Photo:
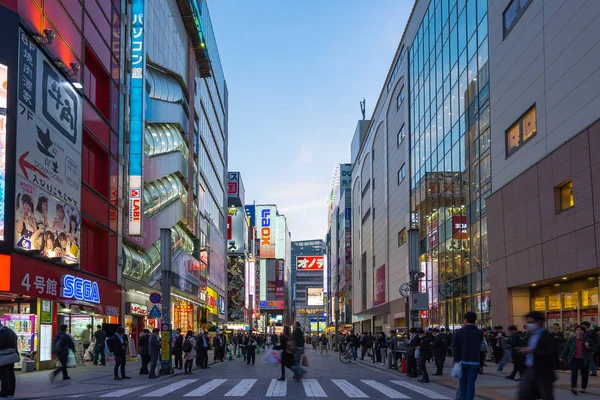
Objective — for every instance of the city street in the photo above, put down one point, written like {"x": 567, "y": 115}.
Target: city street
{"x": 327, "y": 377}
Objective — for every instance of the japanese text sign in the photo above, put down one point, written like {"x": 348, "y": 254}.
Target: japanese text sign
{"x": 313, "y": 263}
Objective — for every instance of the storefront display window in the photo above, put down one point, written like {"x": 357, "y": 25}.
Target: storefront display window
{"x": 24, "y": 325}
{"x": 570, "y": 300}
{"x": 589, "y": 298}
{"x": 570, "y": 321}
{"x": 539, "y": 304}
{"x": 183, "y": 315}
{"x": 554, "y": 302}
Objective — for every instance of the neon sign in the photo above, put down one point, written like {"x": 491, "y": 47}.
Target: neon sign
{"x": 80, "y": 289}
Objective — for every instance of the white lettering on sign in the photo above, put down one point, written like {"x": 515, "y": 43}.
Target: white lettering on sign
{"x": 41, "y": 284}
{"x": 138, "y": 309}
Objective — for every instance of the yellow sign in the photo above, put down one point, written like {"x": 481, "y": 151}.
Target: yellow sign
{"x": 165, "y": 337}
{"x": 232, "y": 211}
{"x": 211, "y": 300}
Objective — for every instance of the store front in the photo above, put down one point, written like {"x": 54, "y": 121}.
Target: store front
{"x": 568, "y": 303}
{"x": 40, "y": 297}
{"x": 183, "y": 314}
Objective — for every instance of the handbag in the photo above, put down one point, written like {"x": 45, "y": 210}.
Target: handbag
{"x": 457, "y": 370}
{"x": 9, "y": 356}
{"x": 71, "y": 362}
{"x": 304, "y": 360}
{"x": 273, "y": 358}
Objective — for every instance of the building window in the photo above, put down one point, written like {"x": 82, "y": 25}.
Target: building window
{"x": 401, "y": 173}
{"x": 373, "y": 212}
{"x": 564, "y": 196}
{"x": 373, "y": 183}
{"x": 402, "y": 237}
{"x": 366, "y": 216}
{"x": 401, "y": 135}
{"x": 521, "y": 131}
{"x": 512, "y": 13}
{"x": 366, "y": 188}
{"x": 400, "y": 98}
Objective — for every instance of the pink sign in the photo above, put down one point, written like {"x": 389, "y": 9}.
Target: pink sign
{"x": 379, "y": 294}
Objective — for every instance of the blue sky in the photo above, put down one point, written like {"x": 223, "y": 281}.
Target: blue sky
{"x": 296, "y": 71}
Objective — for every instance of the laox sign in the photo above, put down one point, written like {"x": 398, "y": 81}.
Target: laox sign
{"x": 80, "y": 289}
{"x": 266, "y": 227}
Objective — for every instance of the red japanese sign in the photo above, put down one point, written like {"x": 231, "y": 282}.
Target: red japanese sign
{"x": 459, "y": 227}
{"x": 307, "y": 263}
{"x": 379, "y": 294}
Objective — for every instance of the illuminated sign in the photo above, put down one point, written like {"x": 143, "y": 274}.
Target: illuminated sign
{"x": 313, "y": 263}
{"x": 271, "y": 305}
{"x": 267, "y": 248}
{"x": 3, "y": 121}
{"x": 233, "y": 184}
{"x": 137, "y": 309}
{"x": 459, "y": 227}
{"x": 314, "y": 296}
{"x": 379, "y": 290}
{"x": 80, "y": 289}
{"x": 136, "y": 117}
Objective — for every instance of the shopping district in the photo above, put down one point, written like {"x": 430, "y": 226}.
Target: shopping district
{"x": 135, "y": 245}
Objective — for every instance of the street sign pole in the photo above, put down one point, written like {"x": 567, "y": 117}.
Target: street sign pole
{"x": 166, "y": 367}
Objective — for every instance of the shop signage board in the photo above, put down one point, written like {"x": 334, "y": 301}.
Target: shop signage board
{"x": 80, "y": 289}
{"x": 279, "y": 280}
{"x": 165, "y": 341}
{"x": 155, "y": 312}
{"x": 272, "y": 305}
{"x": 380, "y": 286}
{"x": 155, "y": 298}
{"x": 137, "y": 309}
{"x": 48, "y": 153}
{"x": 233, "y": 184}
{"x": 310, "y": 263}
{"x": 45, "y": 312}
{"x": 267, "y": 240}
{"x": 3, "y": 126}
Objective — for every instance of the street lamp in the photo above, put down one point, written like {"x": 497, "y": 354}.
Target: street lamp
{"x": 406, "y": 289}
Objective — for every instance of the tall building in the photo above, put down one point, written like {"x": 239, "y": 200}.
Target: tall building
{"x": 308, "y": 257}
{"x": 176, "y": 163}
{"x": 62, "y": 80}
{"x": 543, "y": 230}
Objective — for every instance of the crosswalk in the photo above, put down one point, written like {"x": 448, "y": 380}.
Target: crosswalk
{"x": 310, "y": 388}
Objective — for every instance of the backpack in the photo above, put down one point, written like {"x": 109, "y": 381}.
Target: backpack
{"x": 483, "y": 346}
{"x": 186, "y": 347}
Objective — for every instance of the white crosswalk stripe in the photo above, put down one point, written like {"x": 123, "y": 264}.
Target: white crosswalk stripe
{"x": 241, "y": 388}
{"x": 312, "y": 388}
{"x": 349, "y": 389}
{"x": 206, "y": 388}
{"x": 421, "y": 390}
{"x": 170, "y": 388}
{"x": 277, "y": 388}
{"x": 125, "y": 392}
{"x": 388, "y": 391}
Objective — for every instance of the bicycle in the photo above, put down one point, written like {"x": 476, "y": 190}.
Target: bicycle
{"x": 347, "y": 355}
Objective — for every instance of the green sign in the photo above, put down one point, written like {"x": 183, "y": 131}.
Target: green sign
{"x": 46, "y": 312}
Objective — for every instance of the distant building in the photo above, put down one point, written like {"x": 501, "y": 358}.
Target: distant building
{"x": 309, "y": 263}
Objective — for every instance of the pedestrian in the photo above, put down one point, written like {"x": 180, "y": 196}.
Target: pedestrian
{"x": 251, "y": 349}
{"x": 234, "y": 341}
{"x": 383, "y": 347}
{"x": 154, "y": 352}
{"x": 353, "y": 341}
{"x": 591, "y": 333}
{"x": 324, "y": 342}
{"x": 515, "y": 341}
{"x": 501, "y": 355}
{"x": 189, "y": 348}
{"x": 298, "y": 335}
{"x": 425, "y": 354}
{"x": 288, "y": 348}
{"x": 223, "y": 348}
{"x": 439, "y": 347}
{"x": 8, "y": 341}
{"x": 466, "y": 344}
{"x": 203, "y": 344}
{"x": 217, "y": 349}
{"x": 578, "y": 353}
{"x": 86, "y": 338}
{"x": 559, "y": 337}
{"x": 177, "y": 351}
{"x": 144, "y": 351}
{"x": 117, "y": 344}
{"x": 540, "y": 352}
{"x": 100, "y": 346}
{"x": 62, "y": 344}
{"x": 411, "y": 354}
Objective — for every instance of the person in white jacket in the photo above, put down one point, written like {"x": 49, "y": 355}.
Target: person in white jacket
{"x": 189, "y": 351}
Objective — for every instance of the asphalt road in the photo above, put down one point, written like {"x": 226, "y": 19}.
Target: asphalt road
{"x": 327, "y": 378}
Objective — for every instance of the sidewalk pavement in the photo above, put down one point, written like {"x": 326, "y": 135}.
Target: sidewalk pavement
{"x": 493, "y": 385}
{"x": 86, "y": 379}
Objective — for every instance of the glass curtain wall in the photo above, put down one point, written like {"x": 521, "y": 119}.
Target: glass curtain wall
{"x": 450, "y": 158}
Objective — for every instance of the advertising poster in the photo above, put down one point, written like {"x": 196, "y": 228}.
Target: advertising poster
{"x": 279, "y": 280}
{"x": 237, "y": 242}
{"x": 310, "y": 263}
{"x": 3, "y": 121}
{"x": 379, "y": 290}
{"x": 233, "y": 184}
{"x": 314, "y": 296}
{"x": 48, "y": 191}
{"x": 236, "y": 292}
{"x": 186, "y": 273}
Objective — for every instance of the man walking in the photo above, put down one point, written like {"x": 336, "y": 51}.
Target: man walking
{"x": 177, "y": 349}
{"x": 154, "y": 352}
{"x": 118, "y": 345}
{"x": 217, "y": 348}
{"x": 86, "y": 338}
{"x": 298, "y": 337}
{"x": 559, "y": 338}
{"x": 591, "y": 333}
{"x": 62, "y": 344}
{"x": 251, "y": 349}
{"x": 144, "y": 351}
{"x": 465, "y": 350}
{"x": 515, "y": 341}
{"x": 539, "y": 356}
{"x": 439, "y": 351}
{"x": 8, "y": 340}
{"x": 203, "y": 345}
{"x": 100, "y": 346}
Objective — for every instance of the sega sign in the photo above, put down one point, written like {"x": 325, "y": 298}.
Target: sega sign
{"x": 80, "y": 289}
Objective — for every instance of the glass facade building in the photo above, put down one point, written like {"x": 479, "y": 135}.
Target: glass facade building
{"x": 450, "y": 158}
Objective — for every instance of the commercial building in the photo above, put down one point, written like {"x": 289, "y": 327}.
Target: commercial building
{"x": 339, "y": 248}
{"x": 308, "y": 257}
{"x": 542, "y": 222}
{"x": 177, "y": 163}
{"x": 61, "y": 172}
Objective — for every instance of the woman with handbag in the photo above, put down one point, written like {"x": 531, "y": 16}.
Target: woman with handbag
{"x": 288, "y": 349}
{"x": 189, "y": 350}
{"x": 8, "y": 357}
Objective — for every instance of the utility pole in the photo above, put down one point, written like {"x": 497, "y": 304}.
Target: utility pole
{"x": 165, "y": 328}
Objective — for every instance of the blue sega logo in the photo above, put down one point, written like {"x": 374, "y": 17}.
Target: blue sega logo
{"x": 80, "y": 289}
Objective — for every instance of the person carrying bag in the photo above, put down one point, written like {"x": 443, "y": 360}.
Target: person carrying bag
{"x": 8, "y": 357}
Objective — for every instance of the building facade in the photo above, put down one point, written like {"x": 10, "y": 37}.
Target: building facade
{"x": 177, "y": 162}
{"x": 308, "y": 257}
{"x": 61, "y": 173}
{"x": 380, "y": 215}
{"x": 543, "y": 229}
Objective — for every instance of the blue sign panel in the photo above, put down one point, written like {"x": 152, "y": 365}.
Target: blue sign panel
{"x": 155, "y": 312}
{"x": 250, "y": 211}
{"x": 80, "y": 289}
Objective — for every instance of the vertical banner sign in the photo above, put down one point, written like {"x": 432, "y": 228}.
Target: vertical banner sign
{"x": 267, "y": 247}
{"x": 379, "y": 292}
{"x": 48, "y": 181}
{"x": 279, "y": 280}
{"x": 136, "y": 118}
{"x": 3, "y": 121}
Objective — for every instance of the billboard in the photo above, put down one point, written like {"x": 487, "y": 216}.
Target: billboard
{"x": 48, "y": 170}
{"x": 314, "y": 296}
{"x": 279, "y": 280}
{"x": 236, "y": 230}
{"x": 233, "y": 184}
{"x": 310, "y": 263}
{"x": 136, "y": 118}
{"x": 236, "y": 293}
{"x": 459, "y": 227}
{"x": 186, "y": 273}
{"x": 3, "y": 122}
{"x": 266, "y": 233}
{"x": 379, "y": 289}
{"x": 271, "y": 305}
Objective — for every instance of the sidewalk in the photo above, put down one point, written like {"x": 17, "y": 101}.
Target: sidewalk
{"x": 494, "y": 385}
{"x": 87, "y": 379}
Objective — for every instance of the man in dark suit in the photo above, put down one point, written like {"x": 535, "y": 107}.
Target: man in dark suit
{"x": 178, "y": 349}
{"x": 8, "y": 340}
{"x": 154, "y": 352}
{"x": 440, "y": 347}
{"x": 144, "y": 351}
{"x": 118, "y": 345}
{"x": 539, "y": 357}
